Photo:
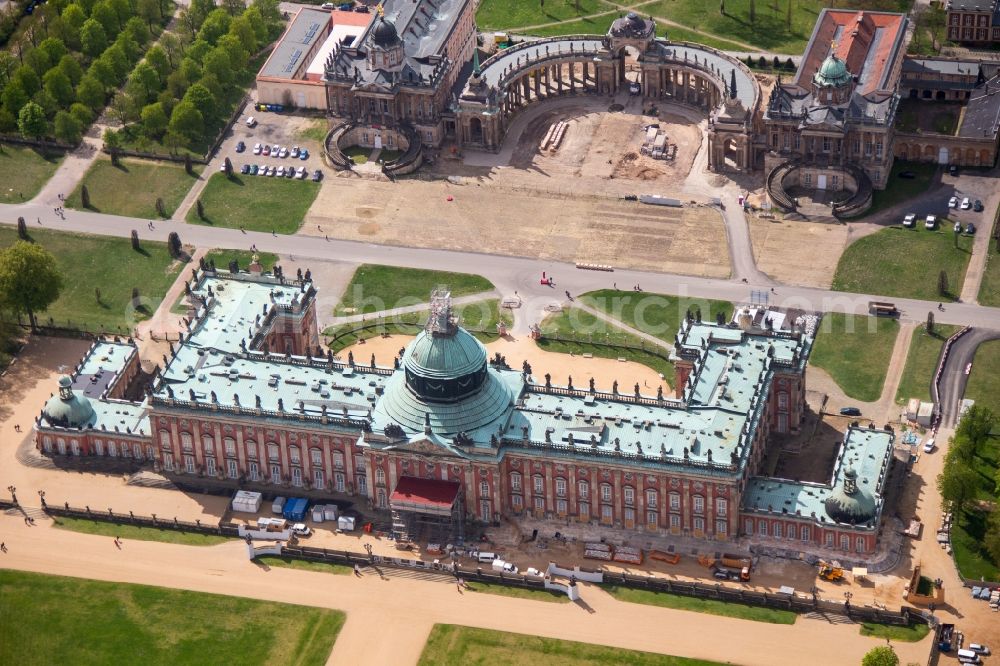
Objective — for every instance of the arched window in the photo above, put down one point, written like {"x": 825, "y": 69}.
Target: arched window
{"x": 484, "y": 489}
{"x": 251, "y": 448}
{"x": 628, "y": 495}
{"x": 229, "y": 444}
{"x": 187, "y": 443}
{"x": 165, "y": 439}
{"x": 651, "y": 497}
{"x": 317, "y": 456}
{"x": 539, "y": 483}
{"x": 272, "y": 451}
{"x": 675, "y": 501}
{"x": 338, "y": 460}
{"x": 293, "y": 455}
{"x": 515, "y": 482}
{"x": 379, "y": 476}
{"x": 605, "y": 492}
{"x": 208, "y": 445}
{"x": 583, "y": 489}
{"x": 560, "y": 487}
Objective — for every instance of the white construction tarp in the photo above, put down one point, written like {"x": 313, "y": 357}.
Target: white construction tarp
{"x": 346, "y": 523}
{"x": 246, "y": 501}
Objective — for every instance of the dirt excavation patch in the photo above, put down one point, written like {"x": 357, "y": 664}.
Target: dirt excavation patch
{"x": 778, "y": 245}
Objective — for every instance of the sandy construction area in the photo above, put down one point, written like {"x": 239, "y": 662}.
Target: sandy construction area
{"x": 797, "y": 252}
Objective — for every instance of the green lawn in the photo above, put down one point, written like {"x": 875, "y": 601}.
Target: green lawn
{"x": 132, "y": 188}
{"x": 586, "y": 329}
{"x": 10, "y": 339}
{"x": 316, "y": 130}
{"x": 59, "y": 620}
{"x": 244, "y": 257}
{"x": 967, "y": 534}
{"x": 512, "y": 14}
{"x": 905, "y": 263}
{"x": 374, "y": 288}
{"x": 454, "y": 645}
{"x": 909, "y": 634}
{"x": 481, "y": 316}
{"x": 984, "y": 381}
{"x": 902, "y": 189}
{"x": 137, "y": 532}
{"x": 586, "y": 26}
{"x": 358, "y": 154}
{"x": 552, "y": 596}
{"x": 23, "y": 172}
{"x": 675, "y": 34}
{"x": 989, "y": 288}
{"x": 109, "y": 264}
{"x": 255, "y": 203}
{"x": 710, "y": 606}
{"x": 855, "y": 350}
{"x": 304, "y": 565}
{"x": 921, "y": 362}
{"x": 656, "y": 314}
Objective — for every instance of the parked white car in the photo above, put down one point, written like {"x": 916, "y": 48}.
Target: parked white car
{"x": 929, "y": 445}
{"x": 953, "y": 202}
{"x": 251, "y": 122}
{"x": 930, "y": 222}
{"x": 257, "y": 148}
{"x": 910, "y": 221}
{"x": 966, "y": 204}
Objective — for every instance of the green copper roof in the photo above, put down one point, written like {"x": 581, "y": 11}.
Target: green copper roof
{"x": 69, "y": 409}
{"x": 832, "y": 73}
{"x": 444, "y": 356}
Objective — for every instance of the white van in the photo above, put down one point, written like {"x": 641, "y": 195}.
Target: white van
{"x": 977, "y": 648}
{"x": 486, "y": 558}
{"x": 967, "y": 657}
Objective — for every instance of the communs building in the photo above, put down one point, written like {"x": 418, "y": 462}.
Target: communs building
{"x": 247, "y": 399}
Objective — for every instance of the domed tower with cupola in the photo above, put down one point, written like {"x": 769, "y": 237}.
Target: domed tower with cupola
{"x": 832, "y": 83}
{"x": 385, "y": 47}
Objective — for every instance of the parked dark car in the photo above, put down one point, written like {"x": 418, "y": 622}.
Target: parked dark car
{"x": 977, "y": 206}
{"x": 254, "y": 169}
{"x": 953, "y": 170}
{"x": 317, "y": 176}
{"x": 908, "y": 175}
{"x": 850, "y": 411}
{"x": 362, "y": 9}
{"x": 240, "y": 147}
{"x": 245, "y": 169}
{"x": 970, "y": 228}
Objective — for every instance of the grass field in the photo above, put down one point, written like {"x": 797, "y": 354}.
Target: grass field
{"x": 23, "y": 172}
{"x": 482, "y": 316}
{"x": 255, "y": 203}
{"x": 855, "y": 350}
{"x": 137, "y": 533}
{"x": 903, "y": 189}
{"x": 656, "y": 314}
{"x": 551, "y": 596}
{"x": 132, "y": 188}
{"x": 586, "y": 329}
{"x": 105, "y": 263}
{"x": 454, "y": 645}
{"x": 597, "y": 25}
{"x": 921, "y": 362}
{"x": 316, "y": 131}
{"x": 75, "y": 621}
{"x": 304, "y": 565}
{"x": 989, "y": 288}
{"x": 374, "y": 288}
{"x": 905, "y": 263}
{"x": 244, "y": 257}
{"x": 509, "y": 14}
{"x": 910, "y": 634}
{"x": 710, "y": 606}
{"x": 984, "y": 381}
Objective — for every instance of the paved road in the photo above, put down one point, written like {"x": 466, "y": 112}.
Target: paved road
{"x": 954, "y": 378}
{"x": 508, "y": 273}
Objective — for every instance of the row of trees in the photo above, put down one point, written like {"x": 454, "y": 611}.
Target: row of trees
{"x": 960, "y": 482}
{"x": 45, "y": 89}
{"x": 185, "y": 87}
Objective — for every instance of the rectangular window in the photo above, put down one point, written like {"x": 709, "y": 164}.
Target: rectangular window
{"x": 721, "y": 527}
{"x": 878, "y": 149}
{"x": 606, "y": 493}
{"x": 860, "y": 545}
{"x": 651, "y": 498}
{"x": 748, "y": 526}
{"x": 253, "y": 470}
{"x": 845, "y": 542}
{"x": 629, "y": 495}
{"x": 539, "y": 483}
{"x": 540, "y": 504}
{"x": 338, "y": 482}
{"x": 318, "y": 481}
{"x": 562, "y": 507}
{"x": 275, "y": 473}
{"x": 777, "y": 530}
{"x": 868, "y": 148}
{"x": 791, "y": 531}
{"x": 516, "y": 502}
{"x": 210, "y": 466}
{"x": 675, "y": 502}
{"x": 230, "y": 446}
{"x": 515, "y": 482}
{"x": 699, "y": 504}
{"x": 807, "y": 179}
{"x": 675, "y": 521}
{"x": 698, "y": 524}
{"x": 652, "y": 520}
{"x": 231, "y": 469}
{"x": 188, "y": 464}
{"x": 362, "y": 484}
{"x": 721, "y": 507}
{"x": 584, "y": 510}
{"x": 606, "y": 513}
{"x": 560, "y": 487}
{"x": 317, "y": 457}
{"x": 297, "y": 476}
{"x": 583, "y": 490}
{"x": 797, "y": 141}
{"x": 168, "y": 461}
{"x": 826, "y": 144}
{"x": 629, "y": 516}
{"x": 828, "y": 540}
{"x": 762, "y": 528}
{"x": 804, "y": 533}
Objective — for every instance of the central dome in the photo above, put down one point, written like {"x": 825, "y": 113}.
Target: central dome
{"x": 445, "y": 356}
{"x": 384, "y": 34}
{"x": 832, "y": 73}
{"x": 68, "y": 409}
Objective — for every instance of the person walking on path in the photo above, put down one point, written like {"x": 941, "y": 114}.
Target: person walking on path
{"x": 3, "y": 547}
{"x": 357, "y": 571}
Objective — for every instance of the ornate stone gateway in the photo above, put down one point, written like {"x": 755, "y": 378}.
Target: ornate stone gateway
{"x": 679, "y": 72}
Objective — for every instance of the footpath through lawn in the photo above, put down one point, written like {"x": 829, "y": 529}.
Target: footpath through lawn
{"x": 132, "y": 188}
{"x": 23, "y": 172}
{"x": 921, "y": 362}
{"x": 59, "y": 620}
{"x": 856, "y": 351}
{"x": 255, "y": 203}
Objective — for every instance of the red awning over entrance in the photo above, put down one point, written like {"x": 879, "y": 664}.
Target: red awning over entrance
{"x": 427, "y": 495}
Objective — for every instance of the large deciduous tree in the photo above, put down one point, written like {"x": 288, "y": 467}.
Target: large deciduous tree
{"x": 31, "y": 121}
{"x": 30, "y": 280}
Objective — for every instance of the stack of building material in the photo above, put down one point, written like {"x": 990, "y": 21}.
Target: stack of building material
{"x": 598, "y": 551}
{"x": 628, "y": 555}
{"x": 669, "y": 558}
